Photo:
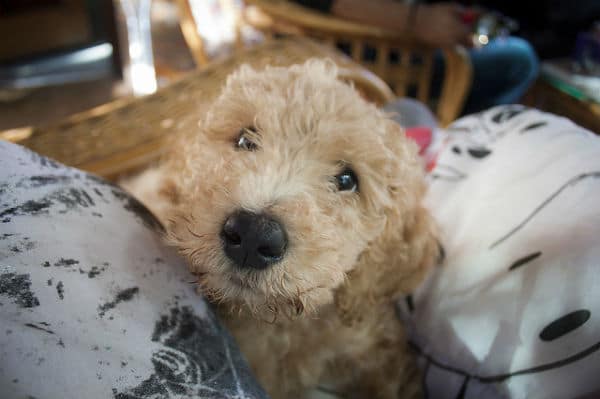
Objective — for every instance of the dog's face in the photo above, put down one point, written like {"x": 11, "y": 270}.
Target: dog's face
{"x": 291, "y": 180}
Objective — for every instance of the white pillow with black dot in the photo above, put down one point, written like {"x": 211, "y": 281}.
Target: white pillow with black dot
{"x": 513, "y": 311}
{"x": 92, "y": 305}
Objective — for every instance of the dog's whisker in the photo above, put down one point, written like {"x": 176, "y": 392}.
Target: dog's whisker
{"x": 275, "y": 312}
{"x": 299, "y": 304}
{"x": 194, "y": 233}
{"x": 185, "y": 219}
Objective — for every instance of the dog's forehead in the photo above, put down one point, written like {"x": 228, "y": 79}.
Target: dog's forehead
{"x": 306, "y": 110}
{"x": 305, "y": 94}
{"x": 335, "y": 114}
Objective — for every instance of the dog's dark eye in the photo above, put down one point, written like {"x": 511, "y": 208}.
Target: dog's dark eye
{"x": 243, "y": 141}
{"x": 347, "y": 180}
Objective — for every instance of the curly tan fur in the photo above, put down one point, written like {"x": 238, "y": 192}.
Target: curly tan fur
{"x": 325, "y": 313}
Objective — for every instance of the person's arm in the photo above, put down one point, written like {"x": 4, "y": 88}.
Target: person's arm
{"x": 387, "y": 14}
{"x": 438, "y": 25}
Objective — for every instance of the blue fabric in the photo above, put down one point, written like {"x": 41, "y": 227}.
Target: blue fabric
{"x": 502, "y": 72}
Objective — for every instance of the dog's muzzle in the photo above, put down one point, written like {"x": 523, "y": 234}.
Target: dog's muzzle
{"x": 253, "y": 240}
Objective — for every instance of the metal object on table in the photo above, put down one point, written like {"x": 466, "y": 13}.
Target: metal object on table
{"x": 139, "y": 64}
{"x": 85, "y": 63}
{"x": 487, "y": 25}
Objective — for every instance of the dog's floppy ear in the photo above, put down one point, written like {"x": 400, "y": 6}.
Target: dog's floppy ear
{"x": 396, "y": 261}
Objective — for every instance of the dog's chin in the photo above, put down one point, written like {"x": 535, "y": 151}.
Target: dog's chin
{"x": 240, "y": 283}
{"x": 242, "y": 293}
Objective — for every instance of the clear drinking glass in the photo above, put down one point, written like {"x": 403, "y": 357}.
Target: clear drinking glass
{"x": 140, "y": 70}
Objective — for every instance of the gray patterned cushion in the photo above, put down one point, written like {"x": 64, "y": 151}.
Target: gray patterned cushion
{"x": 92, "y": 304}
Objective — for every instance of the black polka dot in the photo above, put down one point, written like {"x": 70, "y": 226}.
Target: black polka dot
{"x": 506, "y": 114}
{"x": 456, "y": 150}
{"x": 524, "y": 260}
{"x": 565, "y": 324}
{"x": 479, "y": 152}
{"x": 533, "y": 126}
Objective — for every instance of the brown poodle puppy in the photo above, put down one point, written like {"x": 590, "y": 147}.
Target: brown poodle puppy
{"x": 298, "y": 205}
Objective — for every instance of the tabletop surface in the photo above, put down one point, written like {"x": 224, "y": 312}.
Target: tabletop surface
{"x": 559, "y": 73}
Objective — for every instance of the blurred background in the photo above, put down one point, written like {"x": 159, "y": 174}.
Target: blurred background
{"x": 61, "y": 57}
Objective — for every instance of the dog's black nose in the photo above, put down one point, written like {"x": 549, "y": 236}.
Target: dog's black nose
{"x": 253, "y": 240}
